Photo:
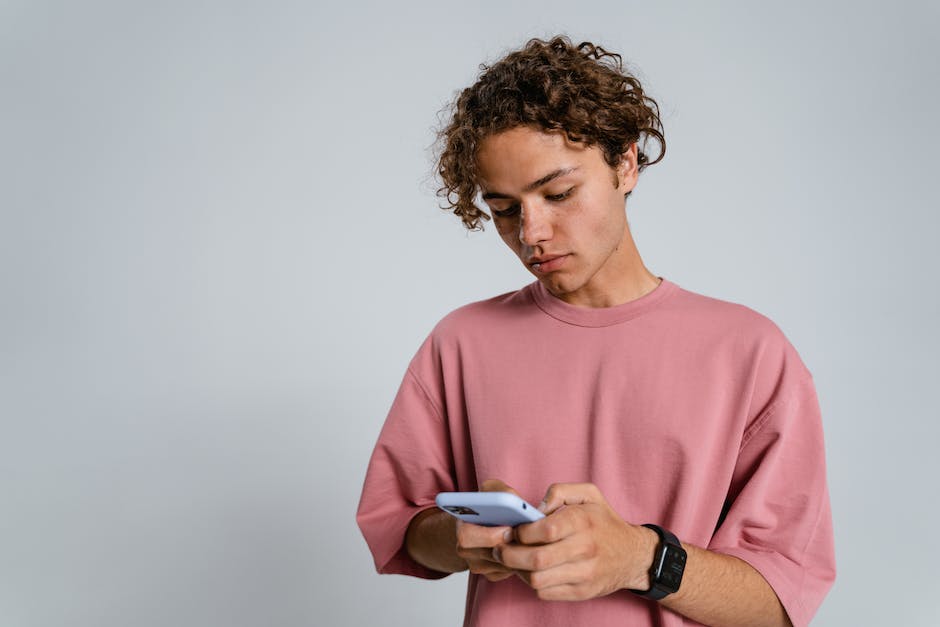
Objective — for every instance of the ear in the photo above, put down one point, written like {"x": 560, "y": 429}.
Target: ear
{"x": 628, "y": 170}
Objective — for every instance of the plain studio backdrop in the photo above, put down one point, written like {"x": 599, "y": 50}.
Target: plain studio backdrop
{"x": 220, "y": 247}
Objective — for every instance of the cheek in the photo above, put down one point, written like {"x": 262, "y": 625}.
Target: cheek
{"x": 598, "y": 220}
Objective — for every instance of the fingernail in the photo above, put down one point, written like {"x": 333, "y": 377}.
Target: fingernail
{"x": 542, "y": 506}
{"x": 507, "y": 536}
{"x": 496, "y": 553}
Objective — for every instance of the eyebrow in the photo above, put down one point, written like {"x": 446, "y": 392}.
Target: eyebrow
{"x": 551, "y": 176}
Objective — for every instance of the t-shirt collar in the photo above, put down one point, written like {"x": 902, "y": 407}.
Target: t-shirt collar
{"x": 599, "y": 316}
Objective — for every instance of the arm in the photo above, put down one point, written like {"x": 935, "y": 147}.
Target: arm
{"x": 410, "y": 463}
{"x": 583, "y": 549}
{"x": 723, "y": 590}
{"x": 438, "y": 541}
{"x": 431, "y": 541}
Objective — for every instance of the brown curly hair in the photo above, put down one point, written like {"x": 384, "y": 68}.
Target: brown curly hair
{"x": 552, "y": 85}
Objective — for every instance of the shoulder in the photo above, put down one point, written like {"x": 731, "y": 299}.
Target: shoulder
{"x": 478, "y": 316}
{"x": 724, "y": 313}
{"x": 756, "y": 338}
{"x": 470, "y": 325}
{"x": 761, "y": 357}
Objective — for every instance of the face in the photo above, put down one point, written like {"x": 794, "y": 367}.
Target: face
{"x": 559, "y": 202}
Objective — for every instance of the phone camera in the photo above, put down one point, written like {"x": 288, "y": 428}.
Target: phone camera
{"x": 459, "y": 509}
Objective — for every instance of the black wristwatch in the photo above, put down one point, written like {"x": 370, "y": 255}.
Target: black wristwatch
{"x": 668, "y": 566}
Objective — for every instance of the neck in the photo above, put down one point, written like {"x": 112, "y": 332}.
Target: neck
{"x": 629, "y": 287}
{"x": 623, "y": 280}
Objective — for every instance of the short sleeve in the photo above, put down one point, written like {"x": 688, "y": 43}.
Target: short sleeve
{"x": 777, "y": 517}
{"x": 411, "y": 463}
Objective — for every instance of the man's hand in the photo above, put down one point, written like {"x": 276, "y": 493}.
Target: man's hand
{"x": 476, "y": 543}
{"x": 582, "y": 549}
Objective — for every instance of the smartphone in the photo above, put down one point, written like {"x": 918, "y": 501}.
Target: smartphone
{"x": 490, "y": 509}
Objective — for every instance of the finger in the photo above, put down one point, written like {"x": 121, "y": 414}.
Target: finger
{"x": 570, "y": 581}
{"x": 563, "y": 575}
{"x": 493, "y": 572}
{"x": 566, "y": 592}
{"x": 470, "y": 536}
{"x": 553, "y": 528}
{"x": 560, "y": 494}
{"x": 481, "y": 560}
{"x": 496, "y": 485}
{"x": 540, "y": 558}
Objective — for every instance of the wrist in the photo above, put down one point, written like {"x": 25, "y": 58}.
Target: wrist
{"x": 644, "y": 551}
{"x": 431, "y": 540}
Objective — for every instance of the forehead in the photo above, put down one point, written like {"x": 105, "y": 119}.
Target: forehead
{"x": 513, "y": 158}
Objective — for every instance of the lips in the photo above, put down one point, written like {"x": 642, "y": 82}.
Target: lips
{"x": 542, "y": 265}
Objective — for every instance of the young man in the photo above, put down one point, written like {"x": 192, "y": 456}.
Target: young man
{"x": 641, "y": 415}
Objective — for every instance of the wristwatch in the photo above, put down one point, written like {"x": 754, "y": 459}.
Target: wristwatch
{"x": 668, "y": 566}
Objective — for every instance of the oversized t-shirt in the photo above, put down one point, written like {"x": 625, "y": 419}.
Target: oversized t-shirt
{"x": 687, "y": 411}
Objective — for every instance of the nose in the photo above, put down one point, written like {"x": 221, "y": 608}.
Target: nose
{"x": 534, "y": 224}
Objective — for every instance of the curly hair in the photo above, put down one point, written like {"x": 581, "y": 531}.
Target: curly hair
{"x": 554, "y": 86}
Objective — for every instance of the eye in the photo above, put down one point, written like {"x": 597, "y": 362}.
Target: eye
{"x": 507, "y": 213}
{"x": 561, "y": 196}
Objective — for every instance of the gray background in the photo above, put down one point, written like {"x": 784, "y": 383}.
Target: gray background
{"x": 220, "y": 247}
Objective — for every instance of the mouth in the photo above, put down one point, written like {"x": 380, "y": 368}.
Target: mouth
{"x": 548, "y": 265}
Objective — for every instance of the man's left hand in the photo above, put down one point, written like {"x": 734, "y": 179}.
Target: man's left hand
{"x": 582, "y": 549}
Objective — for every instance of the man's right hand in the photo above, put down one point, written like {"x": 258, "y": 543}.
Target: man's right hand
{"x": 475, "y": 543}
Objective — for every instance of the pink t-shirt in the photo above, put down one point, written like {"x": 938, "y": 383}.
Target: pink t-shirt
{"x": 686, "y": 411}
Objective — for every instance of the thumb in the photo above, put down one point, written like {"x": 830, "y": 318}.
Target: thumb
{"x": 561, "y": 494}
{"x": 496, "y": 485}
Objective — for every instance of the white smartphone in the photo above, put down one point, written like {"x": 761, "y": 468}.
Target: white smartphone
{"x": 490, "y": 509}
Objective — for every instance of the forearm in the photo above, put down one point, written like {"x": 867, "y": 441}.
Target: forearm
{"x": 722, "y": 590}
{"x": 431, "y": 540}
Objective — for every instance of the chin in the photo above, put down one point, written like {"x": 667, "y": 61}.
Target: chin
{"x": 558, "y": 285}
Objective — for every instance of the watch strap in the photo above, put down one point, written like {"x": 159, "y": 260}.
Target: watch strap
{"x": 667, "y": 540}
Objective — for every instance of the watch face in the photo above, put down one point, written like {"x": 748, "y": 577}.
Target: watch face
{"x": 671, "y": 568}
